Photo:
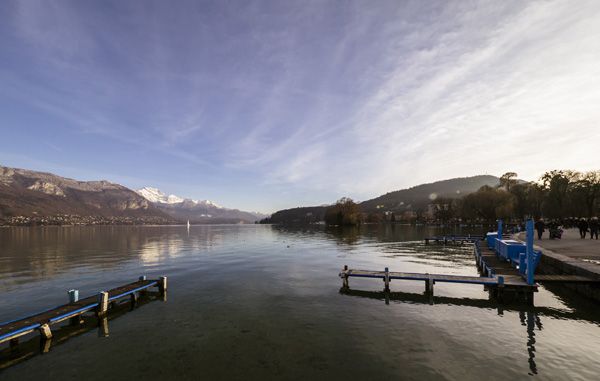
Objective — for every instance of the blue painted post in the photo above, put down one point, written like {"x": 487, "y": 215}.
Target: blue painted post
{"x": 529, "y": 251}
{"x": 500, "y": 230}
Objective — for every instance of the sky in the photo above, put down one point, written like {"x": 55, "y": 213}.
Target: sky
{"x": 269, "y": 105}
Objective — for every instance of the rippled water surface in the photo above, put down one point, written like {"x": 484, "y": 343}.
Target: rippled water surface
{"x": 264, "y": 302}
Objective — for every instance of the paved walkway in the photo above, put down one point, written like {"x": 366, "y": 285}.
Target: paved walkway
{"x": 587, "y": 250}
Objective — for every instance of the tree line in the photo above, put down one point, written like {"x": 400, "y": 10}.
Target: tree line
{"x": 557, "y": 195}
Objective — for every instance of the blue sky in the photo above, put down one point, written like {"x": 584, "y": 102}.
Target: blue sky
{"x": 267, "y": 105}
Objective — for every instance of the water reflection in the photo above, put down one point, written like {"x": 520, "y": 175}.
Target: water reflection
{"x": 530, "y": 316}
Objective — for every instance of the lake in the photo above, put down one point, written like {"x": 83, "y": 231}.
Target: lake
{"x": 265, "y": 302}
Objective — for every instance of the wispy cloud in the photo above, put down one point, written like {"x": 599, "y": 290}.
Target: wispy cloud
{"x": 319, "y": 98}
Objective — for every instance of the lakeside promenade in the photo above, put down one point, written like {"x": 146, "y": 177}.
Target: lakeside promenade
{"x": 586, "y": 250}
{"x": 570, "y": 255}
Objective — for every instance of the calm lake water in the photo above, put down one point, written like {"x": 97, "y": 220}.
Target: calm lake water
{"x": 264, "y": 302}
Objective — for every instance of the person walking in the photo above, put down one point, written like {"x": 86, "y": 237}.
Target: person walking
{"x": 583, "y": 227}
{"x": 540, "y": 226}
{"x": 594, "y": 226}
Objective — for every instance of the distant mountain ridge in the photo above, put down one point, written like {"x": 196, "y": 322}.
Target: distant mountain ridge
{"x": 44, "y": 198}
{"x": 29, "y": 193}
{"x": 397, "y": 202}
{"x": 202, "y": 211}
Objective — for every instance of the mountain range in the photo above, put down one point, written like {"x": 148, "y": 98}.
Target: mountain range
{"x": 202, "y": 211}
{"x": 27, "y": 195}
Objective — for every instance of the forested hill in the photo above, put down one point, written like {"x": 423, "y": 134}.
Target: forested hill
{"x": 400, "y": 201}
{"x": 419, "y": 197}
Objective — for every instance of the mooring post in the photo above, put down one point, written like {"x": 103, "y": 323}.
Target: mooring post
{"x": 102, "y": 303}
{"x": 162, "y": 284}
{"x": 429, "y": 285}
{"x": 45, "y": 332}
{"x": 73, "y": 296}
{"x": 143, "y": 277}
{"x": 386, "y": 279}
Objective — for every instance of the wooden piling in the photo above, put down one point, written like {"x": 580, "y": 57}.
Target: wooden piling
{"x": 162, "y": 284}
{"x": 345, "y": 283}
{"x": 102, "y": 303}
{"x": 386, "y": 279}
{"x": 429, "y": 285}
{"x": 45, "y": 332}
{"x": 134, "y": 299}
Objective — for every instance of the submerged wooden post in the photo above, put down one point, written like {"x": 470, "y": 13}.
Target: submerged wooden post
{"x": 134, "y": 299}
{"x": 345, "y": 284}
{"x": 386, "y": 279}
{"x": 102, "y": 303}
{"x": 162, "y": 284}
{"x": 45, "y": 331}
{"x": 529, "y": 296}
{"x": 76, "y": 320}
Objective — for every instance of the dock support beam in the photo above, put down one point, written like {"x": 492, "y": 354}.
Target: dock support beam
{"x": 345, "y": 283}
{"x": 162, "y": 284}
{"x": 134, "y": 299}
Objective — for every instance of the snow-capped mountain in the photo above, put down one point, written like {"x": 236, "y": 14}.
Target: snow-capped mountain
{"x": 158, "y": 196}
{"x": 202, "y": 211}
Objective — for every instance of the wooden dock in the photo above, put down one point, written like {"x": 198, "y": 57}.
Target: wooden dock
{"x": 501, "y": 277}
{"x": 455, "y": 238}
{"x": 98, "y": 303}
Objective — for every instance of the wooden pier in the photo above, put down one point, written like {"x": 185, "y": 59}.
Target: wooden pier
{"x": 503, "y": 271}
{"x": 74, "y": 310}
{"x": 455, "y": 238}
